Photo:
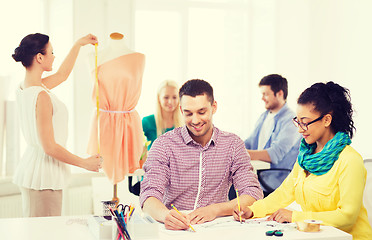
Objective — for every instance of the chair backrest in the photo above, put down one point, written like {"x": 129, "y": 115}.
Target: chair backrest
{"x": 367, "y": 197}
{"x": 271, "y": 179}
{"x": 136, "y": 188}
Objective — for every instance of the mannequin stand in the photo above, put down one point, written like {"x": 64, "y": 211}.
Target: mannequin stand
{"x": 115, "y": 198}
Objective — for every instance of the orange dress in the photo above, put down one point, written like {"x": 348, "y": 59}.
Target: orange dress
{"x": 121, "y": 134}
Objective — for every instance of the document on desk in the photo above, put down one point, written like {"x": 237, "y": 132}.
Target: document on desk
{"x": 230, "y": 222}
{"x": 217, "y": 223}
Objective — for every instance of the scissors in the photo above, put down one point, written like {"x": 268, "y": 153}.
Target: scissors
{"x": 123, "y": 210}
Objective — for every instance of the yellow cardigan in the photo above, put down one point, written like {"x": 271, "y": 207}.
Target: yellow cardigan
{"x": 336, "y": 197}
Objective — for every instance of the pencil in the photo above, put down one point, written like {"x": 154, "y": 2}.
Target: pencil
{"x": 130, "y": 211}
{"x": 181, "y": 215}
{"x": 237, "y": 197}
{"x": 118, "y": 224}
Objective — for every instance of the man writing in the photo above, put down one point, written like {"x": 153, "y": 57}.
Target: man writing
{"x": 193, "y": 166}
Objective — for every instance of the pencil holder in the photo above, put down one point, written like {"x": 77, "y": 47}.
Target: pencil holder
{"x": 139, "y": 227}
{"x": 121, "y": 231}
{"x": 105, "y": 207}
{"x": 142, "y": 226}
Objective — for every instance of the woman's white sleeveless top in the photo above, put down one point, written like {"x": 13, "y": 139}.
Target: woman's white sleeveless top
{"x": 36, "y": 170}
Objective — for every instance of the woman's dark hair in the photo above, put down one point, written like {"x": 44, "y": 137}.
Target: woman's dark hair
{"x": 333, "y": 99}
{"x": 30, "y": 45}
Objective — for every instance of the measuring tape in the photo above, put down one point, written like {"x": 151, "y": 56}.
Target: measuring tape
{"x": 97, "y": 100}
{"x": 309, "y": 225}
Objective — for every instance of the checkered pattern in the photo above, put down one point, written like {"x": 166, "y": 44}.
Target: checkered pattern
{"x": 172, "y": 170}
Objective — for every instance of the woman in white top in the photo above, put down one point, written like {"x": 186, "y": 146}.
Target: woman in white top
{"x": 42, "y": 171}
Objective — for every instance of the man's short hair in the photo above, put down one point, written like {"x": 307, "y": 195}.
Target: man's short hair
{"x": 276, "y": 82}
{"x": 197, "y": 87}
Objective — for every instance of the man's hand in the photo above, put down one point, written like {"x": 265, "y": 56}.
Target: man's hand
{"x": 204, "y": 214}
{"x": 245, "y": 213}
{"x": 175, "y": 221}
{"x": 281, "y": 216}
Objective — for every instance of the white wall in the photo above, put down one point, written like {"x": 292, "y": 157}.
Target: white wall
{"x": 341, "y": 51}
{"x": 329, "y": 40}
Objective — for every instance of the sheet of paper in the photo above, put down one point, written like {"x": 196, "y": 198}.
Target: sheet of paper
{"x": 229, "y": 222}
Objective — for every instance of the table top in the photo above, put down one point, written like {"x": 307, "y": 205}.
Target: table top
{"x": 75, "y": 227}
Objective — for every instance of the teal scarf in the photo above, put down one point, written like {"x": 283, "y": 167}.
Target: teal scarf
{"x": 321, "y": 162}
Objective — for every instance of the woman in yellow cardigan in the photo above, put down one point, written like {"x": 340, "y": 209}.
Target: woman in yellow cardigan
{"x": 328, "y": 178}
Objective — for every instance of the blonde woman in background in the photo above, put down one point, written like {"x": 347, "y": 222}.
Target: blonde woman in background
{"x": 166, "y": 118}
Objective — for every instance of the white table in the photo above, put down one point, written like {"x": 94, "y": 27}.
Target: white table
{"x": 71, "y": 228}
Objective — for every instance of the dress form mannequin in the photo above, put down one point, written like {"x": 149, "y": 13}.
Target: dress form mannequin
{"x": 120, "y": 72}
{"x": 116, "y": 48}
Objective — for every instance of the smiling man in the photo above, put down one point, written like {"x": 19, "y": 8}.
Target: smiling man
{"x": 274, "y": 139}
{"x": 193, "y": 166}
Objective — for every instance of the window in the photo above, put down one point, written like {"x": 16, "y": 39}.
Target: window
{"x": 24, "y": 20}
{"x": 197, "y": 39}
{"x": 53, "y": 18}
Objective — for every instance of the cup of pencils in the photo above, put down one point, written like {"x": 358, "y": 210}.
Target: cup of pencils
{"x": 120, "y": 229}
{"x": 121, "y": 216}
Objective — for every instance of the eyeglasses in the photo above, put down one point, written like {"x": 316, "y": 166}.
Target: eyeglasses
{"x": 304, "y": 126}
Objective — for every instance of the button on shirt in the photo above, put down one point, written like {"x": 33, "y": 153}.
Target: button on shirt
{"x": 180, "y": 171}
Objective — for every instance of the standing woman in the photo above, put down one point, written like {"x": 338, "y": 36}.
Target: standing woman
{"x": 329, "y": 176}
{"x": 168, "y": 114}
{"x": 42, "y": 172}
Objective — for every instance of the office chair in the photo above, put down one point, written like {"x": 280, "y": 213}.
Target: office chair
{"x": 367, "y": 196}
{"x": 136, "y": 188}
{"x": 270, "y": 179}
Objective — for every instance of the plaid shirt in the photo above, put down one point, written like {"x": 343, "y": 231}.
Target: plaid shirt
{"x": 179, "y": 170}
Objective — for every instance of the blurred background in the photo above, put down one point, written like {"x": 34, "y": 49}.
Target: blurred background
{"x": 230, "y": 43}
